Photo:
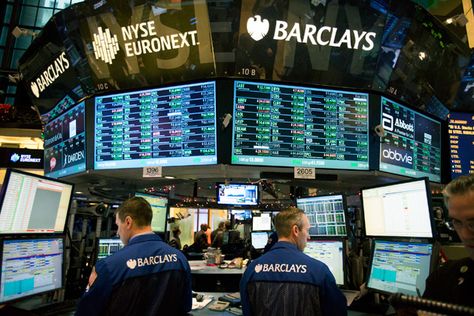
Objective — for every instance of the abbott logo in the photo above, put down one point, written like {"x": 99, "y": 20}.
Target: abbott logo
{"x": 395, "y": 155}
{"x": 105, "y": 45}
{"x": 387, "y": 122}
{"x": 257, "y": 28}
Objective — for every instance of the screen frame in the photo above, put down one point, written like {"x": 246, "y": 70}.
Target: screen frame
{"x": 244, "y": 206}
{"x": 6, "y": 181}
{"x": 259, "y": 232}
{"x": 262, "y": 212}
{"x": 37, "y": 237}
{"x": 433, "y": 259}
{"x": 430, "y": 209}
{"x": 167, "y": 209}
{"x": 344, "y": 256}
{"x": 344, "y": 202}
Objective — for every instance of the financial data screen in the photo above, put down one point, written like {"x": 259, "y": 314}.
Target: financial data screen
{"x": 461, "y": 143}
{"x": 412, "y": 145}
{"x": 173, "y": 126}
{"x": 30, "y": 266}
{"x": 397, "y": 210}
{"x": 326, "y": 215}
{"x": 159, "y": 207}
{"x": 34, "y": 204}
{"x": 65, "y": 143}
{"x": 400, "y": 267}
{"x": 331, "y": 253}
{"x": 108, "y": 246}
{"x": 280, "y": 125}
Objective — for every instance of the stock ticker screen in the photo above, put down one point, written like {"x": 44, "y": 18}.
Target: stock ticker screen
{"x": 461, "y": 142}
{"x": 412, "y": 144}
{"x": 64, "y": 143}
{"x": 292, "y": 126}
{"x": 173, "y": 126}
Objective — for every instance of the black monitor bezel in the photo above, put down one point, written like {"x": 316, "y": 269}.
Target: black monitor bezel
{"x": 433, "y": 259}
{"x": 36, "y": 237}
{"x": 2, "y": 200}
{"x": 430, "y": 209}
{"x": 344, "y": 202}
{"x": 245, "y": 206}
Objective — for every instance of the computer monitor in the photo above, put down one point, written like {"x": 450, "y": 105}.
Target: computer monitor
{"x": 159, "y": 206}
{"x": 398, "y": 210}
{"x": 108, "y": 246}
{"x": 33, "y": 204}
{"x": 400, "y": 267}
{"x": 261, "y": 221}
{"x": 259, "y": 239}
{"x": 237, "y": 194}
{"x": 326, "y": 214}
{"x": 241, "y": 215}
{"x": 461, "y": 139}
{"x": 331, "y": 252}
{"x": 30, "y": 266}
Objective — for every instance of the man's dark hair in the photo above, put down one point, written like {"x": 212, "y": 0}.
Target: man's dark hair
{"x": 138, "y": 209}
{"x": 285, "y": 220}
{"x": 459, "y": 186}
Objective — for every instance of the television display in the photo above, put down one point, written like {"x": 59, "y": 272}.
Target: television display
{"x": 33, "y": 204}
{"x": 65, "y": 143}
{"x": 108, "y": 246}
{"x": 331, "y": 252}
{"x": 398, "y": 210}
{"x": 461, "y": 140}
{"x": 400, "y": 267}
{"x": 261, "y": 221}
{"x": 159, "y": 206}
{"x": 172, "y": 126}
{"x": 242, "y": 215}
{"x": 237, "y": 194}
{"x": 294, "y": 126}
{"x": 30, "y": 266}
{"x": 412, "y": 144}
{"x": 259, "y": 239}
{"x": 326, "y": 214}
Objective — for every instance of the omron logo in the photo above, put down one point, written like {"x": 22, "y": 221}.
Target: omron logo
{"x": 310, "y": 34}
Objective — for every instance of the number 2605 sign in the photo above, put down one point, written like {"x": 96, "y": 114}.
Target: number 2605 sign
{"x": 305, "y": 173}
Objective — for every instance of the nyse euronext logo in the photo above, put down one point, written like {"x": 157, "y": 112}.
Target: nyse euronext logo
{"x": 310, "y": 34}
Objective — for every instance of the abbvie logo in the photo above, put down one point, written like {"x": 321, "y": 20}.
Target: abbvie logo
{"x": 395, "y": 155}
{"x": 257, "y": 28}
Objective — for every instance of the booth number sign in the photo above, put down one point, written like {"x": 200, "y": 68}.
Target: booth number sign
{"x": 152, "y": 172}
{"x": 305, "y": 173}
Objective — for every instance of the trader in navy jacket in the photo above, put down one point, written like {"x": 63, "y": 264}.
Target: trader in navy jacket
{"x": 146, "y": 277}
{"x": 285, "y": 281}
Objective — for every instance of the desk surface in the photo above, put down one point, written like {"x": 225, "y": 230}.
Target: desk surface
{"x": 200, "y": 267}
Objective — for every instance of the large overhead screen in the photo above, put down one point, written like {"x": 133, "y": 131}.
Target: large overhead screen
{"x": 34, "y": 204}
{"x": 412, "y": 144}
{"x": 293, "y": 126}
{"x": 172, "y": 126}
{"x": 65, "y": 143}
{"x": 461, "y": 143}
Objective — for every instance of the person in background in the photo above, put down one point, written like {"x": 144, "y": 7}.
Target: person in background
{"x": 454, "y": 282}
{"x": 146, "y": 277}
{"x": 198, "y": 235}
{"x": 285, "y": 281}
{"x": 175, "y": 241}
{"x": 217, "y": 235}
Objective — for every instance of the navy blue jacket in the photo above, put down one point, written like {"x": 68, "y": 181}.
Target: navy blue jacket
{"x": 284, "y": 263}
{"x": 144, "y": 271}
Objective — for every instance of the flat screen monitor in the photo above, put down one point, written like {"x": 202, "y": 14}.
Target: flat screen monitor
{"x": 30, "y": 266}
{"x": 398, "y": 210}
{"x": 65, "y": 143}
{"x": 326, "y": 214}
{"x": 295, "y": 126}
{"x": 34, "y": 204}
{"x": 400, "y": 267}
{"x": 261, "y": 221}
{"x": 242, "y": 215}
{"x": 108, "y": 246}
{"x": 172, "y": 126}
{"x": 259, "y": 239}
{"x": 159, "y": 206}
{"x": 461, "y": 140}
{"x": 412, "y": 143}
{"x": 237, "y": 194}
{"x": 331, "y": 252}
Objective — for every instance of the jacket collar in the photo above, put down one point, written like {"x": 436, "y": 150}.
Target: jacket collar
{"x": 284, "y": 245}
{"x": 143, "y": 238}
